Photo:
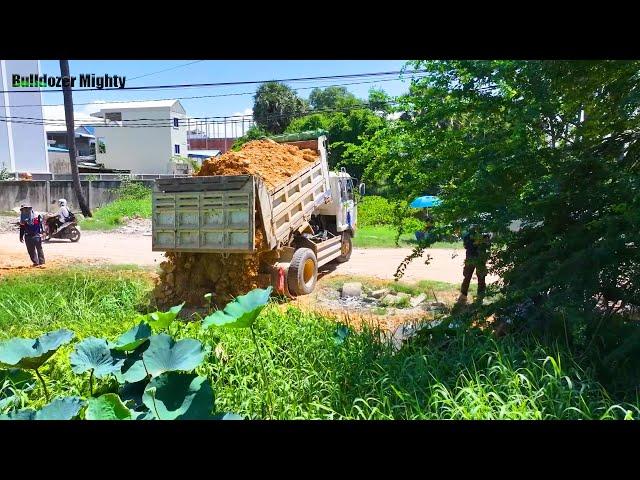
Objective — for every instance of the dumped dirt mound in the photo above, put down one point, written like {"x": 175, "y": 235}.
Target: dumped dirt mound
{"x": 189, "y": 276}
{"x": 274, "y": 162}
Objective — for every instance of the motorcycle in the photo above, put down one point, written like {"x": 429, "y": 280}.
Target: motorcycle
{"x": 68, "y": 230}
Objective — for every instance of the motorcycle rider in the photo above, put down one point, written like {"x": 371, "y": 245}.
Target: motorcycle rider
{"x": 60, "y": 218}
{"x": 31, "y": 233}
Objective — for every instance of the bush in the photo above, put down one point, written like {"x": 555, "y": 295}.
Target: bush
{"x": 130, "y": 190}
{"x": 374, "y": 210}
{"x": 378, "y": 211}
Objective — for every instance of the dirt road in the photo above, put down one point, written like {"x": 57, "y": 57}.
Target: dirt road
{"x": 118, "y": 248}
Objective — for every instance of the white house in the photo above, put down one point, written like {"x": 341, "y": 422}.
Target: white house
{"x": 23, "y": 141}
{"x": 141, "y": 136}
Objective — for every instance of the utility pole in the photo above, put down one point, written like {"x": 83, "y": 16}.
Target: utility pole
{"x": 71, "y": 137}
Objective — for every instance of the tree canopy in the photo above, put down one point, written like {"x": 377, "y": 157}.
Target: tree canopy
{"x": 275, "y": 106}
{"x": 552, "y": 144}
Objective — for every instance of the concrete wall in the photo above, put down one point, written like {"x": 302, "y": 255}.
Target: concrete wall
{"x": 43, "y": 195}
{"x": 59, "y": 162}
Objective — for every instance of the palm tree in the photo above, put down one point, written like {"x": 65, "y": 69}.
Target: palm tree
{"x": 71, "y": 136}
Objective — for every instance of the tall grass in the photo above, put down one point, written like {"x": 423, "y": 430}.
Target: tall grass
{"x": 86, "y": 300}
{"x": 312, "y": 376}
{"x": 134, "y": 200}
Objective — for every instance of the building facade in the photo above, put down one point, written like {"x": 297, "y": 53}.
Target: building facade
{"x": 143, "y": 137}
{"x": 23, "y": 141}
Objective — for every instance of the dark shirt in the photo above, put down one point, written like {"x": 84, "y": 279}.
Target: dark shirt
{"x": 31, "y": 229}
{"x": 473, "y": 247}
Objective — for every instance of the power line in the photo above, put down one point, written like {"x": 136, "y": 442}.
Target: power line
{"x": 211, "y": 96}
{"x": 165, "y": 70}
{"x": 164, "y": 123}
{"x": 223, "y": 84}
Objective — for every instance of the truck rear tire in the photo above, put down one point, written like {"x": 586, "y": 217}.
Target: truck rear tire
{"x": 303, "y": 272}
{"x": 346, "y": 248}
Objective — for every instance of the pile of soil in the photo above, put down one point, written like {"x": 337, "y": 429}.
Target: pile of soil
{"x": 189, "y": 276}
{"x": 274, "y": 162}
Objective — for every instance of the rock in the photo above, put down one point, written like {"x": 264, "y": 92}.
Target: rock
{"x": 389, "y": 299}
{"x": 379, "y": 293}
{"x": 437, "y": 305}
{"x": 418, "y": 300}
{"x": 352, "y": 289}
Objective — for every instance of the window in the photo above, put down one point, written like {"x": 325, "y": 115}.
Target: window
{"x": 176, "y": 149}
{"x": 113, "y": 116}
{"x": 102, "y": 146}
{"x": 175, "y": 123}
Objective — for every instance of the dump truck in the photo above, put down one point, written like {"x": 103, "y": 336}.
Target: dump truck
{"x": 307, "y": 221}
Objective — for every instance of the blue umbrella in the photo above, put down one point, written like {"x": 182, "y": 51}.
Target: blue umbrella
{"x": 425, "y": 202}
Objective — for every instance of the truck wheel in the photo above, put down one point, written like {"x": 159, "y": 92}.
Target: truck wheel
{"x": 303, "y": 272}
{"x": 346, "y": 248}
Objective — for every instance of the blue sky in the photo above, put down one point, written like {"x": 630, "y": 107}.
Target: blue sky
{"x": 215, "y": 71}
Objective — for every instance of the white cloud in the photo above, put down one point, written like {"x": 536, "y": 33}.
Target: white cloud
{"x": 81, "y": 114}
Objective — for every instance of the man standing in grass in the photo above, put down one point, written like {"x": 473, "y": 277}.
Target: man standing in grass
{"x": 31, "y": 233}
{"x": 475, "y": 245}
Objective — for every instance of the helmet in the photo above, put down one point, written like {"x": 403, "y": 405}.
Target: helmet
{"x": 25, "y": 205}
{"x": 62, "y": 202}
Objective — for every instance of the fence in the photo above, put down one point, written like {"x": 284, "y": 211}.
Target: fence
{"x": 42, "y": 194}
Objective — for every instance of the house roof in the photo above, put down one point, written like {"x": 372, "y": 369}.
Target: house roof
{"x": 81, "y": 131}
{"x": 203, "y": 153}
{"x": 136, "y": 105}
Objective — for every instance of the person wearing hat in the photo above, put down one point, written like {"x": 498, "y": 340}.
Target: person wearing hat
{"x": 31, "y": 233}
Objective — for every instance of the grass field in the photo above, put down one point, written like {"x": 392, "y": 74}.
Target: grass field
{"x": 383, "y": 236}
{"x": 468, "y": 376}
{"x": 112, "y": 216}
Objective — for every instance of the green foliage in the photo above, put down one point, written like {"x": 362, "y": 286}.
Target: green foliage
{"x": 161, "y": 320}
{"x": 167, "y": 393}
{"x": 94, "y": 355}
{"x": 132, "y": 200}
{"x": 132, "y": 338}
{"x": 27, "y": 353}
{"x": 551, "y": 143}
{"x": 4, "y": 173}
{"x": 345, "y": 128}
{"x": 166, "y": 355}
{"x": 59, "y": 409}
{"x": 275, "y": 106}
{"x": 132, "y": 190}
{"x": 332, "y": 98}
{"x": 464, "y": 375}
{"x": 107, "y": 407}
{"x": 242, "y": 312}
{"x": 179, "y": 396}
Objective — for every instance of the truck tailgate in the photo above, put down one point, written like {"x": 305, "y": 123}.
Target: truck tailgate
{"x": 204, "y": 214}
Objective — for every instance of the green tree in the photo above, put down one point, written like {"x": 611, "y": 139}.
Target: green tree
{"x": 554, "y": 144}
{"x": 345, "y": 128}
{"x": 275, "y": 106}
{"x": 332, "y": 98}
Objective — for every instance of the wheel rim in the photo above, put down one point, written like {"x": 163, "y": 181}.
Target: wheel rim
{"x": 308, "y": 270}
{"x": 74, "y": 234}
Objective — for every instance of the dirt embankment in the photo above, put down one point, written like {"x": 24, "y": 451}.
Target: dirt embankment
{"x": 189, "y": 276}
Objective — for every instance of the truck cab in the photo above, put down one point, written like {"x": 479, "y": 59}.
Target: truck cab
{"x": 343, "y": 203}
